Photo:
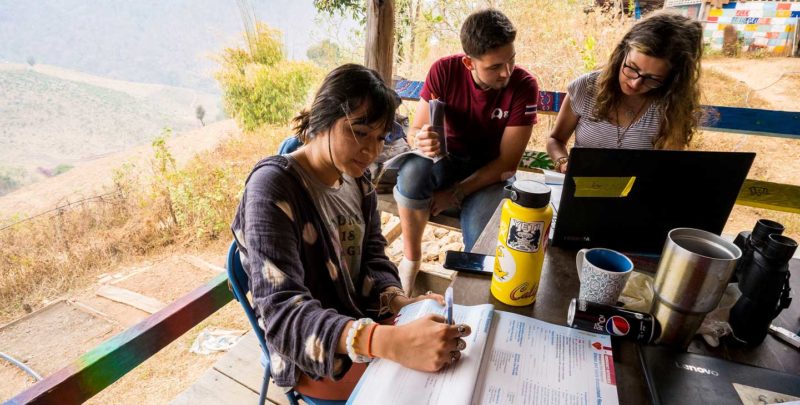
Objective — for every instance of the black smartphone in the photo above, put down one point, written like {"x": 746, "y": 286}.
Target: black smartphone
{"x": 469, "y": 262}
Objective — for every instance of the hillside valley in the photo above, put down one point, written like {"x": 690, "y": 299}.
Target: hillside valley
{"x": 53, "y": 118}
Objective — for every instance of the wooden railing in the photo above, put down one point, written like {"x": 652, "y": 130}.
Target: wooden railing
{"x": 106, "y": 363}
{"x": 752, "y": 121}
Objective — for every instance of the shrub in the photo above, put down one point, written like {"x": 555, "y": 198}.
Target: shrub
{"x": 11, "y": 178}
{"x": 259, "y": 86}
{"x": 62, "y": 168}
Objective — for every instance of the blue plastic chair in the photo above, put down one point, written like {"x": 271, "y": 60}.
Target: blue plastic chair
{"x": 240, "y": 285}
{"x": 289, "y": 145}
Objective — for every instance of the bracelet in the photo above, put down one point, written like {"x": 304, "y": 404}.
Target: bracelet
{"x": 369, "y": 340}
{"x": 458, "y": 194}
{"x": 352, "y": 335}
{"x": 560, "y": 162}
{"x": 386, "y": 298}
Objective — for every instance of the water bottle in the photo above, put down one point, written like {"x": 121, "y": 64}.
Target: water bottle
{"x": 521, "y": 242}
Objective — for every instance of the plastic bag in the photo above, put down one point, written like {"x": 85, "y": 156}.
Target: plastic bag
{"x": 715, "y": 325}
{"x": 638, "y": 292}
{"x": 215, "y": 340}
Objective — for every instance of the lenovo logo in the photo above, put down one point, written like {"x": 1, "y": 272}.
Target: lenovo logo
{"x": 696, "y": 369}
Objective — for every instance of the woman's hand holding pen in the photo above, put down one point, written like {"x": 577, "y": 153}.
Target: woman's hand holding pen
{"x": 426, "y": 344}
{"x": 427, "y": 141}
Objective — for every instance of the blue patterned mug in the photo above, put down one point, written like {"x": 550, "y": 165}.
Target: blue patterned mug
{"x": 603, "y": 274}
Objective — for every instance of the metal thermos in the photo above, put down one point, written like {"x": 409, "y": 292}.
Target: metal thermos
{"x": 692, "y": 275}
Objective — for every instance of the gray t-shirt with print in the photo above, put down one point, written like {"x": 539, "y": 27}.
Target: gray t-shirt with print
{"x": 340, "y": 208}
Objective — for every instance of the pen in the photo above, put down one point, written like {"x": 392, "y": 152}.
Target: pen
{"x": 448, "y": 304}
{"x": 785, "y": 335}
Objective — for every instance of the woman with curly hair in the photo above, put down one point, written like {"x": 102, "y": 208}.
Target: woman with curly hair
{"x": 646, "y": 97}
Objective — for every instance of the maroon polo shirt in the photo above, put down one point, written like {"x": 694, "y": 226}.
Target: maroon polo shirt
{"x": 474, "y": 118}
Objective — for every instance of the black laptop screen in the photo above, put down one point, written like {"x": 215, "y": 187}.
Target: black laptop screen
{"x": 629, "y": 200}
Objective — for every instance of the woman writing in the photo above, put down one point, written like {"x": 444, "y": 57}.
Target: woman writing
{"x": 646, "y": 97}
{"x": 310, "y": 239}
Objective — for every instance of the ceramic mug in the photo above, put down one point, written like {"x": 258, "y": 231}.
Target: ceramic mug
{"x": 603, "y": 274}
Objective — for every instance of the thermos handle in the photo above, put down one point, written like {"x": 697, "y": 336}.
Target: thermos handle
{"x": 510, "y": 193}
{"x": 579, "y": 262}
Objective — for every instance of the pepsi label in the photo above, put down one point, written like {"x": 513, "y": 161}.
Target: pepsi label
{"x": 614, "y": 321}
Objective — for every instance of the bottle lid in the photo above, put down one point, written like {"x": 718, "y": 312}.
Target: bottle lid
{"x": 529, "y": 193}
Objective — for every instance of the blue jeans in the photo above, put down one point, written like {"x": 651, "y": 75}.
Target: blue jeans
{"x": 419, "y": 178}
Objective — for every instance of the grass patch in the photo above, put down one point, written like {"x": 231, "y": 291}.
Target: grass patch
{"x": 150, "y": 210}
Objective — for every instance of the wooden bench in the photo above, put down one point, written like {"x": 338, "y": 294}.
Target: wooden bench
{"x": 750, "y": 121}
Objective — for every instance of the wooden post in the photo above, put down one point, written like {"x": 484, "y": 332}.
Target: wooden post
{"x": 379, "y": 52}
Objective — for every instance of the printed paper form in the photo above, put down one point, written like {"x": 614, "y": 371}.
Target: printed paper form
{"x": 388, "y": 381}
{"x": 528, "y": 361}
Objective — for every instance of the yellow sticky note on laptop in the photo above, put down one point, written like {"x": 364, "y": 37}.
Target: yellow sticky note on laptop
{"x": 614, "y": 187}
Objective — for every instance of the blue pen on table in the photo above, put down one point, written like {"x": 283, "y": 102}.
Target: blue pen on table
{"x": 448, "y": 305}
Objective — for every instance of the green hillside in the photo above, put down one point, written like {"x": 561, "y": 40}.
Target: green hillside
{"x": 50, "y": 117}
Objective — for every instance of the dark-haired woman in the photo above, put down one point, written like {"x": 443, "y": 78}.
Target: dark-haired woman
{"x": 310, "y": 239}
{"x": 646, "y": 97}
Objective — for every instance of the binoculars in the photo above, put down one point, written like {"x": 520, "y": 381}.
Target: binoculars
{"x": 763, "y": 275}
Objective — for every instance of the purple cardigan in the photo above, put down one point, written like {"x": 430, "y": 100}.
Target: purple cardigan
{"x": 300, "y": 292}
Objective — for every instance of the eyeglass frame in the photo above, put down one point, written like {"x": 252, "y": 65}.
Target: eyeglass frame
{"x": 345, "y": 109}
{"x": 645, "y": 78}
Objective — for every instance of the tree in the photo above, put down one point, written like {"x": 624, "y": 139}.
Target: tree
{"x": 379, "y": 50}
{"x": 258, "y": 85}
{"x": 31, "y": 61}
{"x": 353, "y": 7}
{"x": 200, "y": 112}
{"x": 326, "y": 54}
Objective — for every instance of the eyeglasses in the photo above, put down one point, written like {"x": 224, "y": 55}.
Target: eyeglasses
{"x": 632, "y": 73}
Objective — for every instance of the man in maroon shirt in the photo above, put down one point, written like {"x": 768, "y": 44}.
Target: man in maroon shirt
{"x": 490, "y": 109}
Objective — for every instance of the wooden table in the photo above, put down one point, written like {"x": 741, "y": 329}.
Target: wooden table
{"x": 559, "y": 284}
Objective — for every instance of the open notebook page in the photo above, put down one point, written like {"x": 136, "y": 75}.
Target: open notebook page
{"x": 528, "y": 361}
{"x": 390, "y": 383}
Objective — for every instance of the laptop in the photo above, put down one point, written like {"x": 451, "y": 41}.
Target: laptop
{"x": 686, "y": 378}
{"x": 629, "y": 199}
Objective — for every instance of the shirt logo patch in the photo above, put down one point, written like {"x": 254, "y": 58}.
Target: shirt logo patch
{"x": 530, "y": 109}
{"x": 499, "y": 113}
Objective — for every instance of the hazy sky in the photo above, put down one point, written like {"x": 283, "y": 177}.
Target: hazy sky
{"x": 296, "y": 19}
{"x": 153, "y": 41}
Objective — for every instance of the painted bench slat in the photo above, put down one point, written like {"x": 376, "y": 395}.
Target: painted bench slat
{"x": 720, "y": 118}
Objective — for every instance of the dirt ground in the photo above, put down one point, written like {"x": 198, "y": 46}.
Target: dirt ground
{"x": 51, "y": 338}
{"x": 167, "y": 277}
{"x": 775, "y": 81}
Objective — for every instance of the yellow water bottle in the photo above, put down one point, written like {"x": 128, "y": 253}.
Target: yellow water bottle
{"x": 521, "y": 242}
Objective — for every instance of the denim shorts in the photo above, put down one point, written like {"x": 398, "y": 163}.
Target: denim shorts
{"x": 419, "y": 177}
